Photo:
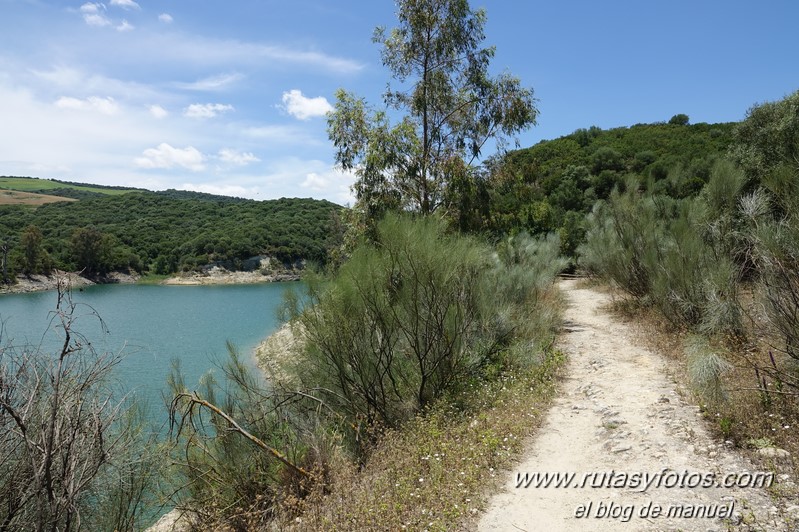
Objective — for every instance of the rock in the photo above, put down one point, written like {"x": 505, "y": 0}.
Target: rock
{"x": 775, "y": 455}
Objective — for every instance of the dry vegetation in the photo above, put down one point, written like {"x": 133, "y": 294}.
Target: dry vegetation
{"x": 747, "y": 414}
{"x": 15, "y": 197}
{"x": 435, "y": 473}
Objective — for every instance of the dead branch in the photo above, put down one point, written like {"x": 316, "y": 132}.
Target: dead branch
{"x": 195, "y": 399}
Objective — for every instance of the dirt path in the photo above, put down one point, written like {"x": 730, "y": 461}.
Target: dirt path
{"x": 620, "y": 412}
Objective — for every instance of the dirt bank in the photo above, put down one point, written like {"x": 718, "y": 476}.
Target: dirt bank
{"x": 620, "y": 412}
{"x": 38, "y": 283}
{"x": 218, "y": 275}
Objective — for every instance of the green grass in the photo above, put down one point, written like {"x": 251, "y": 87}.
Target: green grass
{"x": 32, "y": 184}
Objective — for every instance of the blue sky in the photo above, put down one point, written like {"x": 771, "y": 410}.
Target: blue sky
{"x": 229, "y": 96}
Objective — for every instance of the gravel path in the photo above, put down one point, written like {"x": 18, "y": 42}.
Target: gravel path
{"x": 620, "y": 413}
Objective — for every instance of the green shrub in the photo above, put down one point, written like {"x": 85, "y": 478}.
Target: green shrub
{"x": 705, "y": 368}
{"x": 414, "y": 312}
{"x": 623, "y": 240}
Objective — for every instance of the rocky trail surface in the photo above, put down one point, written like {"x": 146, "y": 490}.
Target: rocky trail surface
{"x": 631, "y": 440}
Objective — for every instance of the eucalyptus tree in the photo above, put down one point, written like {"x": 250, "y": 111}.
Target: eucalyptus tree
{"x": 443, "y": 108}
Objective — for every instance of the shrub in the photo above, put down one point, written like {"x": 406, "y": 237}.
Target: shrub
{"x": 623, "y": 240}
{"x": 705, "y": 368}
{"x": 408, "y": 325}
{"x": 72, "y": 454}
{"x": 412, "y": 313}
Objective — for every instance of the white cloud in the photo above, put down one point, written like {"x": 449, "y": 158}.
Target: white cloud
{"x": 206, "y": 110}
{"x": 106, "y": 106}
{"x": 65, "y": 79}
{"x": 302, "y": 107}
{"x": 93, "y": 14}
{"x": 125, "y": 26}
{"x": 212, "y": 83}
{"x": 125, "y": 4}
{"x": 167, "y": 156}
{"x": 166, "y": 18}
{"x": 197, "y": 50}
{"x": 237, "y": 158}
{"x": 158, "y": 112}
{"x": 332, "y": 184}
{"x": 91, "y": 8}
{"x": 238, "y": 191}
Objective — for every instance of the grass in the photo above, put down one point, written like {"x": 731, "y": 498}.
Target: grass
{"x": 30, "y": 184}
{"x": 16, "y": 197}
{"x": 435, "y": 473}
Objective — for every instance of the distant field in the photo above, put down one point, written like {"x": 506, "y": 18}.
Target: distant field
{"x": 28, "y": 184}
{"x": 15, "y": 197}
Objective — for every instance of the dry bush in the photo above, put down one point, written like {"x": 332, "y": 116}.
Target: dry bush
{"x": 434, "y": 473}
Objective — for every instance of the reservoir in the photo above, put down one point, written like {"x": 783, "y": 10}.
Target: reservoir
{"x": 152, "y": 325}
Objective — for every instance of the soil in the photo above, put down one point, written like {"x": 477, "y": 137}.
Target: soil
{"x": 621, "y": 412}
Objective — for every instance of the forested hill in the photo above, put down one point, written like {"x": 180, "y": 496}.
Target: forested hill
{"x": 550, "y": 186}
{"x": 165, "y": 232}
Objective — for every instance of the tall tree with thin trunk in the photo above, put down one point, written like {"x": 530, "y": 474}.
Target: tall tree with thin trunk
{"x": 449, "y": 105}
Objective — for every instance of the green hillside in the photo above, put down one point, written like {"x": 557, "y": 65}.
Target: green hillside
{"x": 148, "y": 231}
{"x": 55, "y": 187}
{"x": 552, "y": 185}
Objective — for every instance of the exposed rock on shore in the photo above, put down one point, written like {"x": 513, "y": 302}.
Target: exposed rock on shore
{"x": 274, "y": 354}
{"x": 218, "y": 275}
{"x": 38, "y": 283}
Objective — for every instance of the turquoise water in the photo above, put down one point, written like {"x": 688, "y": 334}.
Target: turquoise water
{"x": 152, "y": 325}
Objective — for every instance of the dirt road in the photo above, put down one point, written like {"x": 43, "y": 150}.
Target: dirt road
{"x": 622, "y": 428}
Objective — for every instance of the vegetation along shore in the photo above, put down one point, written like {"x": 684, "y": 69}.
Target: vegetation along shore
{"x": 431, "y": 348}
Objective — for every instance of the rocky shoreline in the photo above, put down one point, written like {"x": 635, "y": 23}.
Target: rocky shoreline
{"x": 218, "y": 275}
{"x": 214, "y": 276}
{"x": 39, "y": 283}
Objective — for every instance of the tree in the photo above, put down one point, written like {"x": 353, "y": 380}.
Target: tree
{"x": 91, "y": 250}
{"x": 679, "y": 120}
{"x": 767, "y": 141}
{"x": 451, "y": 108}
{"x": 5, "y": 247}
{"x": 33, "y": 252}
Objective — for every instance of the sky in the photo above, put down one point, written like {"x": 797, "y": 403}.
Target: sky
{"x": 229, "y": 97}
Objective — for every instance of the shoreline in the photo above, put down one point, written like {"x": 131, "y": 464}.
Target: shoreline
{"x": 215, "y": 276}
{"x": 219, "y": 276}
{"x": 42, "y": 283}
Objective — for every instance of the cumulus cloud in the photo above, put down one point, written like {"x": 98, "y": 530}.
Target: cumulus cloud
{"x": 206, "y": 110}
{"x": 93, "y": 14}
{"x": 158, "y": 112}
{"x": 302, "y": 107}
{"x": 167, "y": 156}
{"x": 125, "y": 4}
{"x": 331, "y": 184}
{"x": 106, "y": 106}
{"x": 237, "y": 158}
{"x": 166, "y": 18}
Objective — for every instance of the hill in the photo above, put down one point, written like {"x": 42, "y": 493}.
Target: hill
{"x": 15, "y": 197}
{"x": 54, "y": 187}
{"x": 551, "y": 186}
{"x": 167, "y": 232}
